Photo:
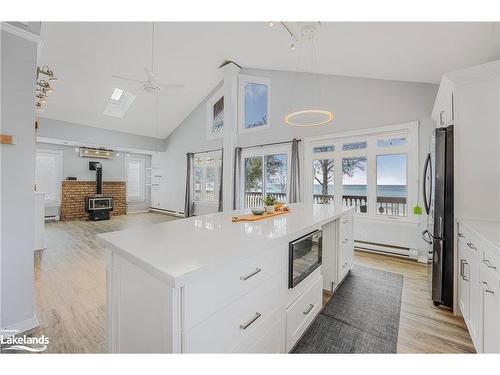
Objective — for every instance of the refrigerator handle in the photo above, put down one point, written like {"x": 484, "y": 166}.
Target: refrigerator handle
{"x": 427, "y": 168}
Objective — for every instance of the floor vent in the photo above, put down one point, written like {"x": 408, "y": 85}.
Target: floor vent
{"x": 374, "y": 247}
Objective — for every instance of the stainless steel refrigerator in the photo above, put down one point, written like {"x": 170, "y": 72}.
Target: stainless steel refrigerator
{"x": 438, "y": 202}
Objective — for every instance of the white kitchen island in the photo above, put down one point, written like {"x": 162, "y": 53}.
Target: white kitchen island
{"x": 206, "y": 284}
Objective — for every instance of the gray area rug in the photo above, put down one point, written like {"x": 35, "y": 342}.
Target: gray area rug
{"x": 361, "y": 317}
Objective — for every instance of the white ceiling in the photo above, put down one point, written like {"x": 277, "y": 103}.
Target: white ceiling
{"x": 84, "y": 56}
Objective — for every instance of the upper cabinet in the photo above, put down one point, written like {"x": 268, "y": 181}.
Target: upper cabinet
{"x": 444, "y": 111}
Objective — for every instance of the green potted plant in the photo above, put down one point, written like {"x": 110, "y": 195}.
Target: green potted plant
{"x": 269, "y": 202}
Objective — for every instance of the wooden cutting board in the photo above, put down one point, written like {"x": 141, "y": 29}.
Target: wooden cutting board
{"x": 252, "y": 217}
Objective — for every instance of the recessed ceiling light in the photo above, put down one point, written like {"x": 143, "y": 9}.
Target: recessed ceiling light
{"x": 117, "y": 94}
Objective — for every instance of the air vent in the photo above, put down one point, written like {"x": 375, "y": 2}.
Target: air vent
{"x": 96, "y": 153}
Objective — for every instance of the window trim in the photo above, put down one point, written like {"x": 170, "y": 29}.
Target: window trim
{"x": 242, "y": 80}
{"x": 371, "y": 135}
{"x": 262, "y": 152}
{"x": 219, "y": 93}
{"x": 142, "y": 182}
{"x": 217, "y": 155}
{"x": 55, "y": 202}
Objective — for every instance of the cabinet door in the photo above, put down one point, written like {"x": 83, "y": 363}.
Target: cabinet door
{"x": 474, "y": 298}
{"x": 464, "y": 281}
{"x": 490, "y": 312}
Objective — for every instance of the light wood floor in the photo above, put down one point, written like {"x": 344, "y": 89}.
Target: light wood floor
{"x": 70, "y": 292}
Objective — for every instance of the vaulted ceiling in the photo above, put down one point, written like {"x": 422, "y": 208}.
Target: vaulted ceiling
{"x": 85, "y": 55}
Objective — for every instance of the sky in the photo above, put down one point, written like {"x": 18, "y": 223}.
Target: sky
{"x": 256, "y": 102}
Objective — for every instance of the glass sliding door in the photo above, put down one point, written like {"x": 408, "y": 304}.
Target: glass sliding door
{"x": 265, "y": 174}
{"x": 276, "y": 176}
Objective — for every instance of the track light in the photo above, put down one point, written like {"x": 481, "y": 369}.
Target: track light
{"x": 292, "y": 46}
{"x": 47, "y": 71}
{"x": 39, "y": 107}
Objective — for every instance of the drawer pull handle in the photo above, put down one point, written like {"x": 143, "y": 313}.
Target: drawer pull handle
{"x": 460, "y": 234}
{"x": 488, "y": 264}
{"x": 244, "y": 278}
{"x": 249, "y": 323}
{"x": 309, "y": 308}
{"x": 345, "y": 241}
{"x": 345, "y": 265}
{"x": 345, "y": 221}
{"x": 486, "y": 287}
{"x": 471, "y": 245}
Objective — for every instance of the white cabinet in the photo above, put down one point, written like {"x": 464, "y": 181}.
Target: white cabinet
{"x": 479, "y": 287}
{"x": 443, "y": 112}
{"x": 338, "y": 251}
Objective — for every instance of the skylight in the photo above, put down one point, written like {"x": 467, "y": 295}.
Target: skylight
{"x": 117, "y": 94}
{"x": 118, "y": 108}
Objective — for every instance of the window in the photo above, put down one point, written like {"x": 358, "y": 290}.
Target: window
{"x": 215, "y": 115}
{"x": 354, "y": 183}
{"x": 206, "y": 176}
{"x": 323, "y": 181}
{"x": 254, "y": 103}
{"x": 376, "y": 172}
{"x": 48, "y": 174}
{"x": 135, "y": 179}
{"x": 391, "y": 185}
{"x": 265, "y": 173}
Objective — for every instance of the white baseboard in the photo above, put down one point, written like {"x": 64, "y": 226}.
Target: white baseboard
{"x": 166, "y": 212}
{"x": 20, "y": 327}
{"x": 138, "y": 212}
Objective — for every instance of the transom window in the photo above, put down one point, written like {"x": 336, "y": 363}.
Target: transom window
{"x": 265, "y": 172}
{"x": 371, "y": 172}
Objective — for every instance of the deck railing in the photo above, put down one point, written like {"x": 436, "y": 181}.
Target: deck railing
{"x": 388, "y": 206}
{"x": 254, "y": 199}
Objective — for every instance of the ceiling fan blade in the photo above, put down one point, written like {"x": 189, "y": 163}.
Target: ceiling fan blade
{"x": 127, "y": 79}
{"x": 172, "y": 86}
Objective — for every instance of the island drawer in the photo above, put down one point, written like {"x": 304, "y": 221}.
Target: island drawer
{"x": 345, "y": 227}
{"x": 207, "y": 296}
{"x": 302, "y": 312}
{"x": 245, "y": 319}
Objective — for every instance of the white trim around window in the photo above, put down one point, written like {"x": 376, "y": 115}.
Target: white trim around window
{"x": 242, "y": 81}
{"x": 141, "y": 163}
{"x": 219, "y": 94}
{"x": 410, "y": 148}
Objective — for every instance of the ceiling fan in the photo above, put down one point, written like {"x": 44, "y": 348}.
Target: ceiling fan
{"x": 151, "y": 84}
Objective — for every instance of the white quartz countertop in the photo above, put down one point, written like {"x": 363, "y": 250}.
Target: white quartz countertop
{"x": 488, "y": 229}
{"x": 178, "y": 250}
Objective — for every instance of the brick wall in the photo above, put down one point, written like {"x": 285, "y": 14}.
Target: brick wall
{"x": 75, "y": 192}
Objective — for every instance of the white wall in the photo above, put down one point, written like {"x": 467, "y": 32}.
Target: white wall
{"x": 70, "y": 131}
{"x": 190, "y": 136}
{"x": 357, "y": 103}
{"x": 113, "y": 170}
{"x": 18, "y": 68}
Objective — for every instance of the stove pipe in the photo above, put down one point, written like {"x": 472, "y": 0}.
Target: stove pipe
{"x": 97, "y": 167}
{"x": 98, "y": 179}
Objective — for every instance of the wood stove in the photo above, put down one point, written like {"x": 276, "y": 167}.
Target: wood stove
{"x": 99, "y": 205}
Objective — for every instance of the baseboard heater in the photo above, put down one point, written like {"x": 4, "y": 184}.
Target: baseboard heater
{"x": 167, "y": 212}
{"x": 374, "y": 247}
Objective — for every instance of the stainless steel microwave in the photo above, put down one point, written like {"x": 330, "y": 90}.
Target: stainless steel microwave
{"x": 304, "y": 256}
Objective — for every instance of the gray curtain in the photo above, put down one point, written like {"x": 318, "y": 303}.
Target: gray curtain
{"x": 188, "y": 201}
{"x": 295, "y": 173}
{"x": 220, "y": 206}
{"x": 236, "y": 180}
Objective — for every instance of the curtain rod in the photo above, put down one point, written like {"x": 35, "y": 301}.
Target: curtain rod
{"x": 270, "y": 144}
{"x": 205, "y": 152}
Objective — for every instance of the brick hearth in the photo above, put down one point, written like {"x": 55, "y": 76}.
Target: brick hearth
{"x": 75, "y": 192}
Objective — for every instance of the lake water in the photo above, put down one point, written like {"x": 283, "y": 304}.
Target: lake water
{"x": 382, "y": 190}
